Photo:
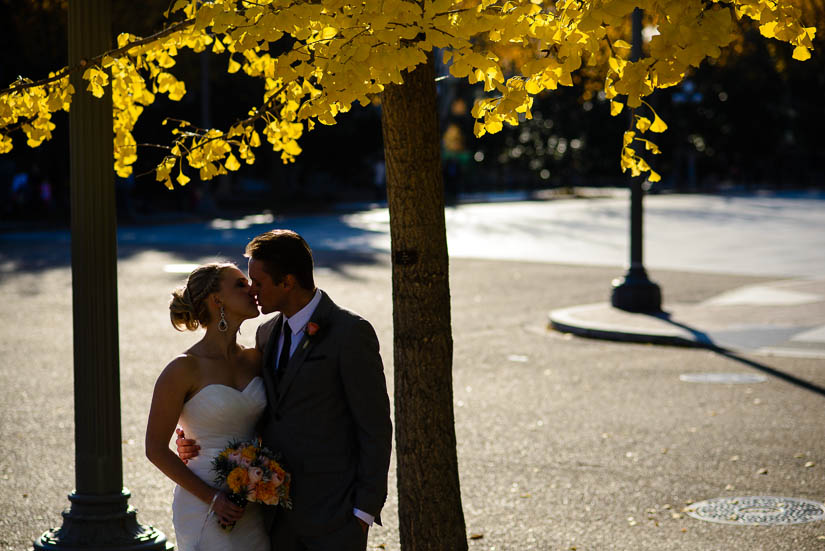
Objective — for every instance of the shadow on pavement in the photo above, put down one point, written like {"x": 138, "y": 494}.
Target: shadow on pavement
{"x": 34, "y": 257}
{"x": 771, "y": 371}
{"x": 704, "y": 340}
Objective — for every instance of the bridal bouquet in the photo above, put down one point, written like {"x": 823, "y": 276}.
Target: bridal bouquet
{"x": 251, "y": 472}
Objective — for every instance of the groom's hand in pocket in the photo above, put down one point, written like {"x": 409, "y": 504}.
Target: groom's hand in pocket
{"x": 187, "y": 449}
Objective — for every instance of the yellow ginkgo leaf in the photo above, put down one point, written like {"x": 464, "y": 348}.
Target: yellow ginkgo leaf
{"x": 182, "y": 178}
{"x": 616, "y": 108}
{"x": 801, "y": 53}
{"x": 292, "y": 148}
{"x": 652, "y": 147}
{"x": 642, "y": 124}
{"x": 494, "y": 127}
{"x": 658, "y": 124}
{"x": 533, "y": 86}
{"x": 5, "y": 144}
{"x": 234, "y": 66}
{"x": 232, "y": 163}
{"x": 628, "y": 136}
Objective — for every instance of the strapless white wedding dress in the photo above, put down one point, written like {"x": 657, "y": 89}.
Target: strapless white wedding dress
{"x": 214, "y": 416}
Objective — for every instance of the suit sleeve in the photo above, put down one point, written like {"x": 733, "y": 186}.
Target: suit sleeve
{"x": 362, "y": 373}
{"x": 262, "y": 335}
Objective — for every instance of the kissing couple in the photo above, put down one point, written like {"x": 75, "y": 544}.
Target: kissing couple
{"x": 312, "y": 390}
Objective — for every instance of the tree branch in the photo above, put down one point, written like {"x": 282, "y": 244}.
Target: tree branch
{"x": 117, "y": 52}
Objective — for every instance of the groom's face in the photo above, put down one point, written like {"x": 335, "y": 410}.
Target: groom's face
{"x": 269, "y": 295}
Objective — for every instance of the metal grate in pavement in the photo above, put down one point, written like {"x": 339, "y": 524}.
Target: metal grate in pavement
{"x": 757, "y": 510}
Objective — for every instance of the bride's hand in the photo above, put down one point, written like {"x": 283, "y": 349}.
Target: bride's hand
{"x": 225, "y": 510}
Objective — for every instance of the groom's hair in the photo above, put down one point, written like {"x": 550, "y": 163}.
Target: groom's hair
{"x": 283, "y": 252}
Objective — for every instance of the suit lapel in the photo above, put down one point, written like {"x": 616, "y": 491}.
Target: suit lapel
{"x": 319, "y": 317}
{"x": 269, "y": 360}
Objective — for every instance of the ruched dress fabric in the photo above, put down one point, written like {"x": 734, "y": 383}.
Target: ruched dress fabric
{"x": 215, "y": 416}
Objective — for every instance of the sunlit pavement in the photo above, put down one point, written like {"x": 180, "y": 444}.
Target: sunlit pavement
{"x": 771, "y": 234}
{"x": 563, "y": 442}
{"x": 779, "y": 235}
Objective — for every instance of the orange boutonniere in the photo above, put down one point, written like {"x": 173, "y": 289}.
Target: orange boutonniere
{"x": 311, "y": 330}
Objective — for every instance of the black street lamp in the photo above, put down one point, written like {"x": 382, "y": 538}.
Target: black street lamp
{"x": 635, "y": 292}
{"x": 99, "y": 517}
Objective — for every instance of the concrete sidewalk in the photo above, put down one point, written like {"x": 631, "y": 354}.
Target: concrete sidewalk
{"x": 782, "y": 318}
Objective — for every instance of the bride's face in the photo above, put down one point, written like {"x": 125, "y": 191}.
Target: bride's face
{"x": 234, "y": 295}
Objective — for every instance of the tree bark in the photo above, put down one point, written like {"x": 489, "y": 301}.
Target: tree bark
{"x": 429, "y": 508}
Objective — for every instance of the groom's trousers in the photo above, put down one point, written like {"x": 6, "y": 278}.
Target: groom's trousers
{"x": 350, "y": 537}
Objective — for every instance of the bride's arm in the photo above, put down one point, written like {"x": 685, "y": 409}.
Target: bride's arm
{"x": 171, "y": 390}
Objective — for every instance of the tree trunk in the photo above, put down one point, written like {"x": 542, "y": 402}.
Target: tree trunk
{"x": 429, "y": 508}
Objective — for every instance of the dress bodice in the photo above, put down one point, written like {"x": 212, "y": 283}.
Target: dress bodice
{"x": 219, "y": 414}
{"x": 215, "y": 416}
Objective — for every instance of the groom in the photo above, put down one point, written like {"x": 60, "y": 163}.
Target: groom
{"x": 328, "y": 412}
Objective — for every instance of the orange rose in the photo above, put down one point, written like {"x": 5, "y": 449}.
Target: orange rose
{"x": 237, "y": 479}
{"x": 266, "y": 492}
{"x": 249, "y": 453}
{"x": 278, "y": 474}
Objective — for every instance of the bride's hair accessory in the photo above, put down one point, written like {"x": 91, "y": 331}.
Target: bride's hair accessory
{"x": 222, "y": 325}
{"x": 188, "y": 307}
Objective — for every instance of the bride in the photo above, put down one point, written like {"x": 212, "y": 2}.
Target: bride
{"x": 215, "y": 393}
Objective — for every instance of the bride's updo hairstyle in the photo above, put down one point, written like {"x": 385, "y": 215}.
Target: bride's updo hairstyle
{"x": 188, "y": 308}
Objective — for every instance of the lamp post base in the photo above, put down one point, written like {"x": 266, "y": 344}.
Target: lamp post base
{"x": 636, "y": 293}
{"x": 98, "y": 522}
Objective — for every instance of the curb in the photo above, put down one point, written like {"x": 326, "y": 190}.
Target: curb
{"x": 568, "y": 320}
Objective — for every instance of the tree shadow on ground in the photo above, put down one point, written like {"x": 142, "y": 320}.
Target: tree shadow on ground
{"x": 39, "y": 252}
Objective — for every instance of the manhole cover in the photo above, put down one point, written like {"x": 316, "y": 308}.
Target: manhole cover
{"x": 759, "y": 510}
{"x": 723, "y": 378}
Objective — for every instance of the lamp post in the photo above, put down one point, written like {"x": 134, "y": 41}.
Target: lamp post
{"x": 635, "y": 292}
{"x": 99, "y": 516}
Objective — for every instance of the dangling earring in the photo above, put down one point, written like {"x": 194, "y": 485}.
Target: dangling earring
{"x": 222, "y": 325}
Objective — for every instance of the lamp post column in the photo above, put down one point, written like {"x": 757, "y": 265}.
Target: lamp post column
{"x": 635, "y": 292}
{"x": 99, "y": 516}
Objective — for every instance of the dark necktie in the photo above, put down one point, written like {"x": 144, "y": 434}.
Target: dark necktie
{"x": 283, "y": 359}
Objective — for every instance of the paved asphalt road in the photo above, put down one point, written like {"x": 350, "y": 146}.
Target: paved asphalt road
{"x": 564, "y": 443}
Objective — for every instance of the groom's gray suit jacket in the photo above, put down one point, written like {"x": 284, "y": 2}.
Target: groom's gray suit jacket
{"x": 329, "y": 418}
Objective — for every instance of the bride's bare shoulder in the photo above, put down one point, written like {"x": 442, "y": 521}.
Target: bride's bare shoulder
{"x": 182, "y": 369}
{"x": 186, "y": 360}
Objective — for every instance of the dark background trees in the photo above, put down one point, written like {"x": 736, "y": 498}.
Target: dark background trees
{"x": 749, "y": 119}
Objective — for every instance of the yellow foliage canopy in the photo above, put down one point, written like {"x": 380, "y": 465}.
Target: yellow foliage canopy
{"x": 345, "y": 51}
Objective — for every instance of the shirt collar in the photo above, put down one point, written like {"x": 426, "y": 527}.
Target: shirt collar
{"x": 299, "y": 321}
